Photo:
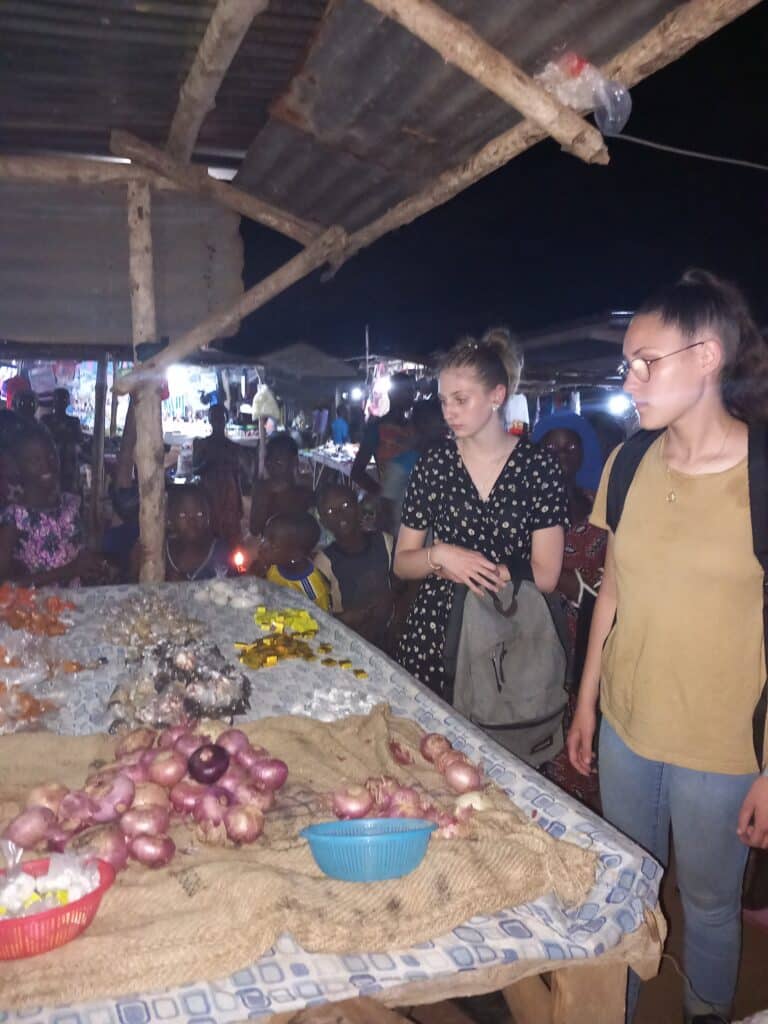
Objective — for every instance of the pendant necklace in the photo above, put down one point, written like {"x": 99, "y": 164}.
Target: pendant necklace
{"x": 671, "y": 495}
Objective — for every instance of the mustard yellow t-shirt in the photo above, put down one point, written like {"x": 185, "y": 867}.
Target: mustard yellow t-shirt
{"x": 684, "y": 664}
{"x": 312, "y": 584}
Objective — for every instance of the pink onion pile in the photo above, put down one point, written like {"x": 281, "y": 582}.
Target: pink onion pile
{"x": 124, "y": 810}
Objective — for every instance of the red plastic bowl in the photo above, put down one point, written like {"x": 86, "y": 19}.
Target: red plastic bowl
{"x": 28, "y": 936}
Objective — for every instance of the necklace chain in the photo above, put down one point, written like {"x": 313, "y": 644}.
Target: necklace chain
{"x": 671, "y": 495}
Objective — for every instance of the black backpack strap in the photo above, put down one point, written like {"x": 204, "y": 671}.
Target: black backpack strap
{"x": 623, "y": 471}
{"x": 758, "y": 505}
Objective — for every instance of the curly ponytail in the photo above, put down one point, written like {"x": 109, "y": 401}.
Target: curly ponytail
{"x": 701, "y": 301}
{"x": 496, "y": 358}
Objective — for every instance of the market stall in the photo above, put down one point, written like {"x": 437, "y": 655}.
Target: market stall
{"x": 586, "y": 935}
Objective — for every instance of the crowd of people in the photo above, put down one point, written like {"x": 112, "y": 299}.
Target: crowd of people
{"x": 666, "y": 659}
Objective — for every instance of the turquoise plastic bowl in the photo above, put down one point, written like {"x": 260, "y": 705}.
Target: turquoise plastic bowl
{"x": 369, "y": 849}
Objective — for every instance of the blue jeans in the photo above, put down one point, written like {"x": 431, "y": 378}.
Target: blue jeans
{"x": 643, "y": 798}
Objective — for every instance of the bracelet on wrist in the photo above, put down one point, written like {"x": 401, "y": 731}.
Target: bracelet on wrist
{"x": 432, "y": 565}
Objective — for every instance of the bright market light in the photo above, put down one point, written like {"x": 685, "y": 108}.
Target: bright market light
{"x": 619, "y": 405}
{"x": 357, "y": 394}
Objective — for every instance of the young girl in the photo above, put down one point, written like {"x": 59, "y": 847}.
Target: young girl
{"x": 676, "y": 645}
{"x": 41, "y": 534}
{"x": 192, "y": 550}
{"x": 487, "y": 496}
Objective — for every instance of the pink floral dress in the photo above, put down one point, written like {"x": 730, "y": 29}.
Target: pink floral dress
{"x": 47, "y": 538}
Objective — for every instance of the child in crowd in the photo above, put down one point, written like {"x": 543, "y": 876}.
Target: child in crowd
{"x": 289, "y": 540}
{"x": 281, "y": 492}
{"x": 192, "y": 551}
{"x": 357, "y": 565}
{"x": 41, "y": 534}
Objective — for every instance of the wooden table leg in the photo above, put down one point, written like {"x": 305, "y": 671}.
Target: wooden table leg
{"x": 589, "y": 995}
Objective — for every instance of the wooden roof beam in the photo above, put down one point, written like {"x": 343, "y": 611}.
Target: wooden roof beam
{"x": 673, "y": 37}
{"x": 459, "y": 44}
{"x": 226, "y": 30}
{"x": 197, "y": 180}
{"x": 75, "y": 170}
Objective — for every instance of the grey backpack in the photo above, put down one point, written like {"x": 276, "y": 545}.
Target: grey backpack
{"x": 506, "y": 654}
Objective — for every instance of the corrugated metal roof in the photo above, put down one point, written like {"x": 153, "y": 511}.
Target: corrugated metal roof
{"x": 375, "y": 114}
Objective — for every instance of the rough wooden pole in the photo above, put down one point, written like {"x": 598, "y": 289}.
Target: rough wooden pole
{"x": 97, "y": 453}
{"x": 113, "y": 403}
{"x": 315, "y": 255}
{"x": 459, "y": 44}
{"x": 74, "y": 170}
{"x": 198, "y": 181}
{"x": 229, "y": 23}
{"x": 674, "y": 36}
{"x": 149, "y": 426}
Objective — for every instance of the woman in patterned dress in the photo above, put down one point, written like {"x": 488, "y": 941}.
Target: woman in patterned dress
{"x": 487, "y": 497}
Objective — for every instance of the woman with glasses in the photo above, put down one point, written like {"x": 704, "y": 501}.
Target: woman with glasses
{"x": 676, "y": 653}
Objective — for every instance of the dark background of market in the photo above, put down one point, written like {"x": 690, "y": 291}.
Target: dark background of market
{"x": 549, "y": 239}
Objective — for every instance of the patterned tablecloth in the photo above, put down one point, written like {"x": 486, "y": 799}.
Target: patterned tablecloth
{"x": 286, "y": 977}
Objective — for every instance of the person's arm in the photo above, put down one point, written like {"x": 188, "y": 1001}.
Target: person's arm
{"x": 414, "y": 561}
{"x": 582, "y": 731}
{"x": 547, "y": 548}
{"x": 359, "y": 474}
{"x": 259, "y": 507}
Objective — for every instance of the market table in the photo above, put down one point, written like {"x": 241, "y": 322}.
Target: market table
{"x": 586, "y": 948}
{"x": 332, "y": 458}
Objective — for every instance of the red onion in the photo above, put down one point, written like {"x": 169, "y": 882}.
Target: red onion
{"x": 185, "y": 795}
{"x": 233, "y": 741}
{"x": 168, "y": 768}
{"x": 381, "y": 788}
{"x": 152, "y": 851}
{"x": 449, "y": 757}
{"x": 107, "y": 842}
{"x": 49, "y": 795}
{"x": 148, "y": 821}
{"x": 211, "y": 806}
{"x": 351, "y": 802}
{"x": 270, "y": 773}
{"x": 462, "y": 777}
{"x": 208, "y": 763}
{"x": 232, "y": 777}
{"x": 139, "y": 739}
{"x": 149, "y": 794}
{"x": 249, "y": 757}
{"x": 169, "y": 737}
{"x": 243, "y": 824}
{"x": 434, "y": 744}
{"x": 189, "y": 743}
{"x": 405, "y": 802}
{"x": 30, "y": 827}
{"x": 400, "y": 753}
{"x": 249, "y": 796}
{"x": 112, "y": 796}
{"x": 76, "y": 810}
{"x": 58, "y": 838}
{"x": 138, "y": 772}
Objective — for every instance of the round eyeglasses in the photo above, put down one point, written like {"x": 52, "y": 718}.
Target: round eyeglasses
{"x": 641, "y": 368}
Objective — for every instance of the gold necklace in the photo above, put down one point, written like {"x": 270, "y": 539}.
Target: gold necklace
{"x": 671, "y": 495}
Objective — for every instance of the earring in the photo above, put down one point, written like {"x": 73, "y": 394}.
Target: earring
{"x": 494, "y": 406}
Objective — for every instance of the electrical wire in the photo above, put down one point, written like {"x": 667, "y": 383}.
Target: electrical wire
{"x": 673, "y": 960}
{"x": 752, "y": 165}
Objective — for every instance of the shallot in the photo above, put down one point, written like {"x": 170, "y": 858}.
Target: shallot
{"x": 152, "y": 851}
{"x": 76, "y": 810}
{"x": 138, "y": 739}
{"x": 107, "y": 842}
{"x": 233, "y": 741}
{"x": 400, "y": 753}
{"x": 168, "y": 768}
{"x": 208, "y": 763}
{"x": 351, "y": 802}
{"x": 474, "y": 800}
{"x": 243, "y": 824}
{"x": 146, "y": 821}
{"x": 211, "y": 806}
{"x": 49, "y": 795}
{"x": 248, "y": 795}
{"x": 185, "y": 795}
{"x": 463, "y": 777}
{"x": 381, "y": 788}
{"x": 30, "y": 827}
{"x": 405, "y": 802}
{"x": 169, "y": 737}
{"x": 249, "y": 757}
{"x": 137, "y": 772}
{"x": 233, "y": 777}
{"x": 149, "y": 794}
{"x": 434, "y": 744}
{"x": 112, "y": 797}
{"x": 449, "y": 757}
{"x": 269, "y": 773}
{"x": 189, "y": 743}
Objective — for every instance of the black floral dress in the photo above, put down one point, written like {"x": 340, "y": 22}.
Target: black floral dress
{"x": 529, "y": 494}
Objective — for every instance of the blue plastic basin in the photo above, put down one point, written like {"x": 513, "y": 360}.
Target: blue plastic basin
{"x": 369, "y": 849}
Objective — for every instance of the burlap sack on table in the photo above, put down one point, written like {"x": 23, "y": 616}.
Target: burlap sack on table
{"x": 213, "y": 911}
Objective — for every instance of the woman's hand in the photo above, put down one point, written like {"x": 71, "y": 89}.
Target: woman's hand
{"x": 460, "y": 565}
{"x": 580, "y": 738}
{"x": 752, "y": 828}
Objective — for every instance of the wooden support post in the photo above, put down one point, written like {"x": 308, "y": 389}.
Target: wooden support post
{"x": 226, "y": 30}
{"x": 113, "y": 403}
{"x": 459, "y": 44}
{"x": 199, "y": 182}
{"x": 309, "y": 259}
{"x": 149, "y": 426}
{"x": 74, "y": 170}
{"x": 97, "y": 454}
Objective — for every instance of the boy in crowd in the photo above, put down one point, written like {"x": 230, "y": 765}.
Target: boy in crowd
{"x": 289, "y": 540}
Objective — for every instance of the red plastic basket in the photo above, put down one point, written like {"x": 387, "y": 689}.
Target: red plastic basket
{"x": 27, "y": 936}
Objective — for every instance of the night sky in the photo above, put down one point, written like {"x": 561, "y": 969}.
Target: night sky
{"x": 549, "y": 239}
